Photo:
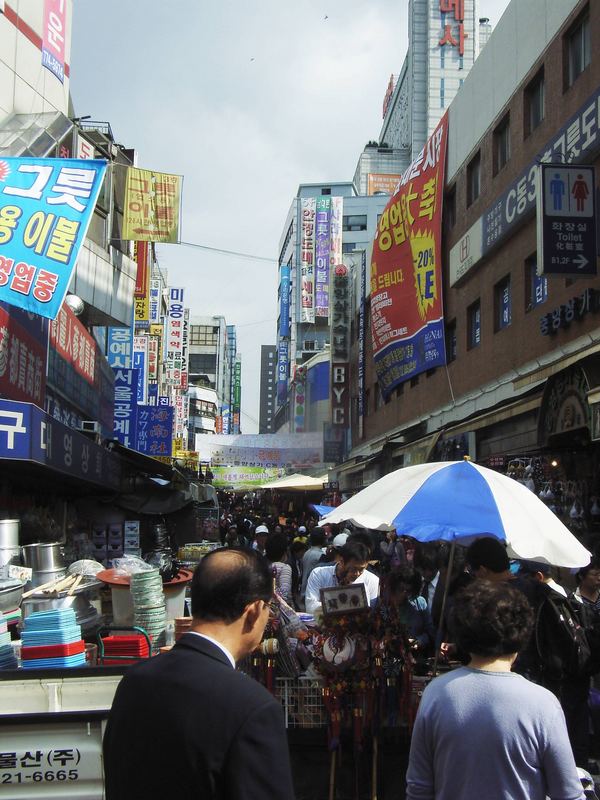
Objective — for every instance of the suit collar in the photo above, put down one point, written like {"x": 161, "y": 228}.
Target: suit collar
{"x": 202, "y": 645}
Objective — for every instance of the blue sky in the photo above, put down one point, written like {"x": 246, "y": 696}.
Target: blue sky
{"x": 246, "y": 100}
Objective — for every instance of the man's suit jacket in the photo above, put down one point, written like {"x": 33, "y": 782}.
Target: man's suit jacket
{"x": 187, "y": 725}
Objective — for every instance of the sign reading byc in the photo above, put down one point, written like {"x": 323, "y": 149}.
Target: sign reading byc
{"x": 46, "y": 205}
{"x": 566, "y": 220}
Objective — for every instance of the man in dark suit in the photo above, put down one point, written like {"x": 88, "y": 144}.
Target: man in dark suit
{"x": 187, "y": 724}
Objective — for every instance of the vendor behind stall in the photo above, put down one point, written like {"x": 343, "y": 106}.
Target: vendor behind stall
{"x": 353, "y": 559}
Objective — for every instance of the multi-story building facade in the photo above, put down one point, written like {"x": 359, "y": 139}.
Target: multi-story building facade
{"x": 521, "y": 385}
{"x": 444, "y": 40}
{"x": 268, "y": 388}
{"x": 304, "y": 305}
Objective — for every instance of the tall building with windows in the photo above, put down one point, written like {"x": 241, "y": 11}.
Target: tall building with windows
{"x": 212, "y": 352}
{"x": 444, "y": 40}
{"x": 268, "y": 388}
{"x": 341, "y": 221}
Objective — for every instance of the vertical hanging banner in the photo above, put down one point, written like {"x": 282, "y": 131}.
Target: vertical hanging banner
{"x": 335, "y": 233}
{"x": 46, "y": 207}
{"x": 152, "y": 203}
{"x": 173, "y": 345}
{"x": 23, "y": 356}
{"x": 140, "y": 363}
{"x": 361, "y": 344}
{"x": 140, "y": 254}
{"x": 54, "y": 35}
{"x": 340, "y": 345}
{"x": 154, "y": 430}
{"x": 307, "y": 259}
{"x": 282, "y": 372}
{"x": 153, "y": 347}
{"x": 154, "y": 310}
{"x": 299, "y": 400}
{"x": 322, "y": 250}
{"x": 284, "y": 302}
{"x": 125, "y": 413}
{"x": 184, "y": 350}
{"x": 119, "y": 347}
{"x": 407, "y": 322}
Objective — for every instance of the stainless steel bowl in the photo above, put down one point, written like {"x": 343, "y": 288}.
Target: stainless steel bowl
{"x": 9, "y": 532}
{"x": 11, "y": 593}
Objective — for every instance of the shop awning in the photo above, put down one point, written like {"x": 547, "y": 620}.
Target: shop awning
{"x": 28, "y": 434}
{"x": 297, "y": 482}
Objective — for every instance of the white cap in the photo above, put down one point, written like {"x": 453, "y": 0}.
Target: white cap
{"x": 262, "y": 529}
{"x": 340, "y": 540}
{"x": 301, "y": 529}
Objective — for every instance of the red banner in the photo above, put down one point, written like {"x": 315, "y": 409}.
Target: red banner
{"x": 143, "y": 273}
{"x": 407, "y": 323}
{"x": 72, "y": 342}
{"x": 22, "y": 357}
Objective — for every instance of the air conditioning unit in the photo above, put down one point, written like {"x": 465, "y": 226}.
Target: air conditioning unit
{"x": 89, "y": 426}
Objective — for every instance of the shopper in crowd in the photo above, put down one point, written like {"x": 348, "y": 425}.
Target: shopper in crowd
{"x": 404, "y": 604}
{"x": 233, "y": 538}
{"x": 187, "y": 724}
{"x": 276, "y": 553}
{"x": 426, "y": 562}
{"x": 260, "y": 539}
{"x": 297, "y": 550}
{"x": 392, "y": 552}
{"x": 588, "y": 586}
{"x": 312, "y": 556}
{"x": 483, "y": 731}
{"x": 330, "y": 555}
{"x": 351, "y": 567}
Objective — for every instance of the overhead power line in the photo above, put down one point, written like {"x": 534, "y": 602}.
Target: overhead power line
{"x": 222, "y": 252}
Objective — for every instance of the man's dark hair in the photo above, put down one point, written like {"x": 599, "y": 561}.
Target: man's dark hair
{"x": 354, "y": 550}
{"x": 426, "y": 557}
{"x": 297, "y": 547}
{"x": 404, "y": 577}
{"x": 226, "y": 581}
{"x": 276, "y": 547}
{"x": 491, "y": 619}
{"x": 488, "y": 552}
{"x": 317, "y": 537}
{"x": 580, "y": 575}
{"x": 364, "y": 538}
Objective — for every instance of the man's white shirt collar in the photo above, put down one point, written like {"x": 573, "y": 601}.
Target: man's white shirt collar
{"x": 216, "y": 644}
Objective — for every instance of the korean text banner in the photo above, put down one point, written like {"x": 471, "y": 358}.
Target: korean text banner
{"x": 46, "y": 205}
{"x": 407, "y": 323}
{"x": 152, "y": 202}
{"x": 307, "y": 260}
{"x": 322, "y": 247}
{"x": 54, "y": 37}
{"x": 284, "y": 302}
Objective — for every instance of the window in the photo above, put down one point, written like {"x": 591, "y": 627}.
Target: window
{"x": 501, "y": 144}
{"x": 451, "y": 341}
{"x": 577, "y": 49}
{"x": 473, "y": 179}
{"x": 534, "y": 103}
{"x": 325, "y": 191}
{"x": 474, "y": 325}
{"x": 536, "y": 286}
{"x": 204, "y": 335}
{"x": 354, "y": 222}
{"x": 502, "y": 304}
{"x": 202, "y": 362}
{"x": 450, "y": 207}
{"x": 348, "y": 247}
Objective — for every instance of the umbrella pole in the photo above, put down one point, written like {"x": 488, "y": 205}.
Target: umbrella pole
{"x": 443, "y": 609}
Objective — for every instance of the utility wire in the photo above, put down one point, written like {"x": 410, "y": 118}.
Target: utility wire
{"x": 223, "y": 252}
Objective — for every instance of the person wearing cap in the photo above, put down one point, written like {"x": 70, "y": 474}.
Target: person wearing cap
{"x": 330, "y": 555}
{"x": 351, "y": 567}
{"x": 260, "y": 539}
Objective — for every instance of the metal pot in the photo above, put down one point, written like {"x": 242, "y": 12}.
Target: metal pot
{"x": 42, "y": 576}
{"x": 9, "y": 532}
{"x": 10, "y": 555}
{"x": 44, "y": 556}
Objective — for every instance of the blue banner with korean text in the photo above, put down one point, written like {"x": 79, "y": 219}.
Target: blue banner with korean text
{"x": 155, "y": 430}
{"x": 126, "y": 408}
{"x": 119, "y": 349}
{"x": 46, "y": 205}
{"x": 284, "y": 302}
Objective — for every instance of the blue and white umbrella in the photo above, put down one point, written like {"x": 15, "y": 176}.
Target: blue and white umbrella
{"x": 321, "y": 510}
{"x": 460, "y": 501}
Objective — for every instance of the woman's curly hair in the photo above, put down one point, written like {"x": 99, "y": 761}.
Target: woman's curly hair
{"x": 491, "y": 619}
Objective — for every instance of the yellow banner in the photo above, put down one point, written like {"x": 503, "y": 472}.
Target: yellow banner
{"x": 142, "y": 308}
{"x": 152, "y": 201}
{"x": 177, "y": 444}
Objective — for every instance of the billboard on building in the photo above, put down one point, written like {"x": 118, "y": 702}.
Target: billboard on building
{"x": 54, "y": 35}
{"x": 284, "y": 302}
{"x": 47, "y": 205}
{"x": 152, "y": 203}
{"x": 335, "y": 233}
{"x": 378, "y": 183}
{"x": 262, "y": 449}
{"x": 23, "y": 351}
{"x": 282, "y": 371}
{"x": 173, "y": 345}
{"x": 307, "y": 259}
{"x": 119, "y": 348}
{"x": 407, "y": 322}
{"x": 125, "y": 413}
{"x": 140, "y": 363}
{"x": 154, "y": 430}
{"x": 322, "y": 249}
{"x": 341, "y": 313}
{"x": 361, "y": 343}
{"x": 71, "y": 340}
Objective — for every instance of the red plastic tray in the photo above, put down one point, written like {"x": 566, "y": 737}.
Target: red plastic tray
{"x": 53, "y": 650}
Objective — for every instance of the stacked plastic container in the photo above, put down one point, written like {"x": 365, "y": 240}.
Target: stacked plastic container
{"x": 52, "y": 639}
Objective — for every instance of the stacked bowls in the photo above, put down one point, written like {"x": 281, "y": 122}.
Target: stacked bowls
{"x": 149, "y": 608}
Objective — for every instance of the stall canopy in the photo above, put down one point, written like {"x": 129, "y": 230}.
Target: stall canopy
{"x": 298, "y": 482}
